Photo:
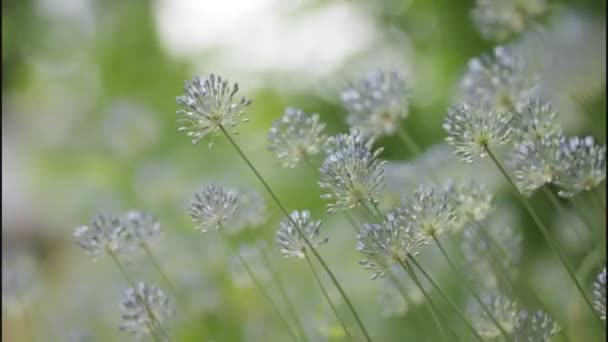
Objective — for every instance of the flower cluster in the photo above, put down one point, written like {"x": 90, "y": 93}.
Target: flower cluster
{"x": 501, "y": 19}
{"x": 352, "y": 173}
{"x": 144, "y": 308}
{"x": 471, "y": 202}
{"x": 104, "y": 232}
{"x": 212, "y": 207}
{"x": 585, "y": 166}
{"x": 295, "y": 230}
{"x": 429, "y": 212}
{"x": 377, "y": 103}
{"x": 599, "y": 292}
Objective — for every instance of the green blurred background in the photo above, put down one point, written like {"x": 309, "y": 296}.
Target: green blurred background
{"x": 88, "y": 125}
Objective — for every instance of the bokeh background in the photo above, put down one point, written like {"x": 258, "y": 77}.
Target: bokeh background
{"x": 89, "y": 125}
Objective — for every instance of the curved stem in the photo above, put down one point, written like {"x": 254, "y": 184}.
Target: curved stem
{"x": 283, "y": 293}
{"x": 543, "y": 229}
{"x": 470, "y": 289}
{"x": 326, "y": 295}
{"x": 448, "y": 299}
{"x": 308, "y": 244}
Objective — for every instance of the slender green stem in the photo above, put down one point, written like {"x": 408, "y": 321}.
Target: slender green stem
{"x": 377, "y": 210}
{"x": 560, "y": 208}
{"x": 308, "y": 244}
{"x": 266, "y": 296}
{"x": 470, "y": 289}
{"x": 163, "y": 275}
{"x": 543, "y": 229}
{"x": 448, "y": 299}
{"x": 433, "y": 309}
{"x": 283, "y": 293}
{"x": 128, "y": 278}
{"x": 352, "y": 222}
{"x": 326, "y": 295}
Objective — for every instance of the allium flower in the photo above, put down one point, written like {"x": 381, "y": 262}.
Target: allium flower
{"x": 501, "y": 81}
{"x": 352, "y": 173}
{"x": 428, "y": 212}
{"x": 251, "y": 210}
{"x": 534, "y": 120}
{"x": 377, "y": 103}
{"x": 290, "y": 236}
{"x": 143, "y": 309}
{"x": 599, "y": 293}
{"x": 500, "y": 19}
{"x": 536, "y": 327}
{"x": 104, "y": 232}
{"x": 383, "y": 245}
{"x": 296, "y": 136}
{"x": 535, "y": 163}
{"x": 213, "y": 207}
{"x": 471, "y": 129}
{"x": 209, "y": 104}
{"x": 586, "y": 166}
{"x": 141, "y": 226}
{"x": 471, "y": 202}
{"x": 504, "y": 310}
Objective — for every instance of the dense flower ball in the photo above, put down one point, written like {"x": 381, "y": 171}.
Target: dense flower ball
{"x": 105, "y": 232}
{"x": 599, "y": 293}
{"x": 143, "y": 309}
{"x": 294, "y": 230}
{"x": 471, "y": 202}
{"x": 377, "y": 103}
{"x": 141, "y": 226}
{"x": 471, "y": 129}
{"x": 535, "y": 163}
{"x": 534, "y": 120}
{"x": 429, "y": 212}
{"x": 387, "y": 243}
{"x": 209, "y": 104}
{"x": 501, "y": 19}
{"x": 212, "y": 207}
{"x": 296, "y": 136}
{"x": 352, "y": 173}
{"x": 586, "y": 166}
{"x": 535, "y": 327}
{"x": 500, "y": 81}
{"x": 504, "y": 310}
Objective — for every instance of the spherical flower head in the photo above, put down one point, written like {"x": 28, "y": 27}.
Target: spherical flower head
{"x": 599, "y": 294}
{"x": 471, "y": 202}
{"x": 586, "y": 166}
{"x": 209, "y": 104}
{"x": 429, "y": 212}
{"x": 105, "y": 232}
{"x": 294, "y": 230}
{"x": 377, "y": 103}
{"x": 503, "y": 309}
{"x": 212, "y": 207}
{"x": 352, "y": 173}
{"x": 534, "y": 120}
{"x": 251, "y": 210}
{"x": 535, "y": 163}
{"x": 143, "y": 308}
{"x": 141, "y": 226}
{"x": 385, "y": 244}
{"x": 536, "y": 327}
{"x": 296, "y": 136}
{"x": 500, "y": 81}
{"x": 500, "y": 19}
{"x": 471, "y": 129}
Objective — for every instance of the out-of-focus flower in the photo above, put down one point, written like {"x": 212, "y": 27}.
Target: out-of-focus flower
{"x": 535, "y": 163}
{"x": 18, "y": 281}
{"x": 143, "y": 309}
{"x": 251, "y": 210}
{"x": 471, "y": 202}
{"x": 377, "y": 103}
{"x": 500, "y": 81}
{"x": 212, "y": 207}
{"x": 536, "y": 327}
{"x": 599, "y": 293}
{"x": 471, "y": 128}
{"x": 585, "y": 164}
{"x": 293, "y": 231}
{"x": 104, "y": 232}
{"x": 429, "y": 212}
{"x": 388, "y": 243}
{"x": 535, "y": 119}
{"x": 504, "y": 310}
{"x": 500, "y": 19}
{"x": 141, "y": 226}
{"x": 352, "y": 173}
{"x": 296, "y": 136}
{"x": 209, "y": 105}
